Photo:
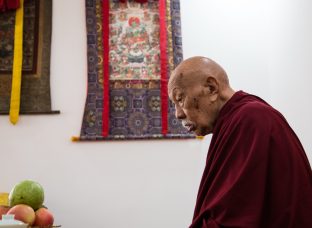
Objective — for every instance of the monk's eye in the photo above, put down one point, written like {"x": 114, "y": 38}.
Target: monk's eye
{"x": 180, "y": 101}
{"x": 179, "y": 98}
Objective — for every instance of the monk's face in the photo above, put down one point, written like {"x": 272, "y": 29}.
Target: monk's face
{"x": 194, "y": 107}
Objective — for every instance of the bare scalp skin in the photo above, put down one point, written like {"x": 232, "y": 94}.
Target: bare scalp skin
{"x": 199, "y": 87}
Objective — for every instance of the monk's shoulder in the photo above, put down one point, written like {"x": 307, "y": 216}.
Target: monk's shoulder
{"x": 256, "y": 107}
{"x": 257, "y": 113}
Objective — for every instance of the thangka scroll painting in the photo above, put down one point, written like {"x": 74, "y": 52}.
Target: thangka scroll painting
{"x": 35, "y": 55}
{"x": 132, "y": 46}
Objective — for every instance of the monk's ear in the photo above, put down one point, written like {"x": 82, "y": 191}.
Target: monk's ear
{"x": 211, "y": 88}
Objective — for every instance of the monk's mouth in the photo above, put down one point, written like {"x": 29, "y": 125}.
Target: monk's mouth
{"x": 190, "y": 128}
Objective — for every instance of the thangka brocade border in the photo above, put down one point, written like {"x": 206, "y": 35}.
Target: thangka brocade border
{"x": 35, "y": 88}
{"x": 135, "y": 105}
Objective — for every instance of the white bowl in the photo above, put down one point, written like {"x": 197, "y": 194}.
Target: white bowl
{"x": 8, "y": 221}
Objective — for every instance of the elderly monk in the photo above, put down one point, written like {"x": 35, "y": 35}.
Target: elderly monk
{"x": 257, "y": 174}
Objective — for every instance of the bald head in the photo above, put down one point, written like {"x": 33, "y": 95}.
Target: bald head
{"x": 199, "y": 88}
{"x": 197, "y": 69}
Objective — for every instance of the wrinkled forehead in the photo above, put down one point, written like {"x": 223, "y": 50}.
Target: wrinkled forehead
{"x": 185, "y": 78}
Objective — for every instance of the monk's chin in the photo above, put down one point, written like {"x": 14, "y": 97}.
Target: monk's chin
{"x": 202, "y": 132}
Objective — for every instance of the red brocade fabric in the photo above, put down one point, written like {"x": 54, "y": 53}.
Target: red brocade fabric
{"x": 257, "y": 174}
{"x": 9, "y": 5}
{"x": 105, "y": 34}
{"x": 163, "y": 65}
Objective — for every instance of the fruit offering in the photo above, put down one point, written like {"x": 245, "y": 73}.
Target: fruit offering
{"x": 26, "y": 204}
{"x": 27, "y": 192}
{"x": 3, "y": 210}
{"x": 23, "y": 212}
{"x": 43, "y": 217}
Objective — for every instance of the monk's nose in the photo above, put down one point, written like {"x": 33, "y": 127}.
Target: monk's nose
{"x": 179, "y": 113}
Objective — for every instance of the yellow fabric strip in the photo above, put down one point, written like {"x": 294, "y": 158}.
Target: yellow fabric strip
{"x": 200, "y": 137}
{"x": 17, "y": 65}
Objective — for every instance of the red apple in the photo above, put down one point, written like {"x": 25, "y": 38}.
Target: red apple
{"x": 3, "y": 210}
{"x": 44, "y": 217}
{"x": 23, "y": 213}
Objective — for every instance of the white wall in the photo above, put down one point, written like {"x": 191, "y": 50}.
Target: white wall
{"x": 265, "y": 48}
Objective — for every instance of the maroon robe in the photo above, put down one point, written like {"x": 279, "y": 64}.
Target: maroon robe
{"x": 257, "y": 174}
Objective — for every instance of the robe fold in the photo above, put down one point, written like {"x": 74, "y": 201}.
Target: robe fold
{"x": 257, "y": 174}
